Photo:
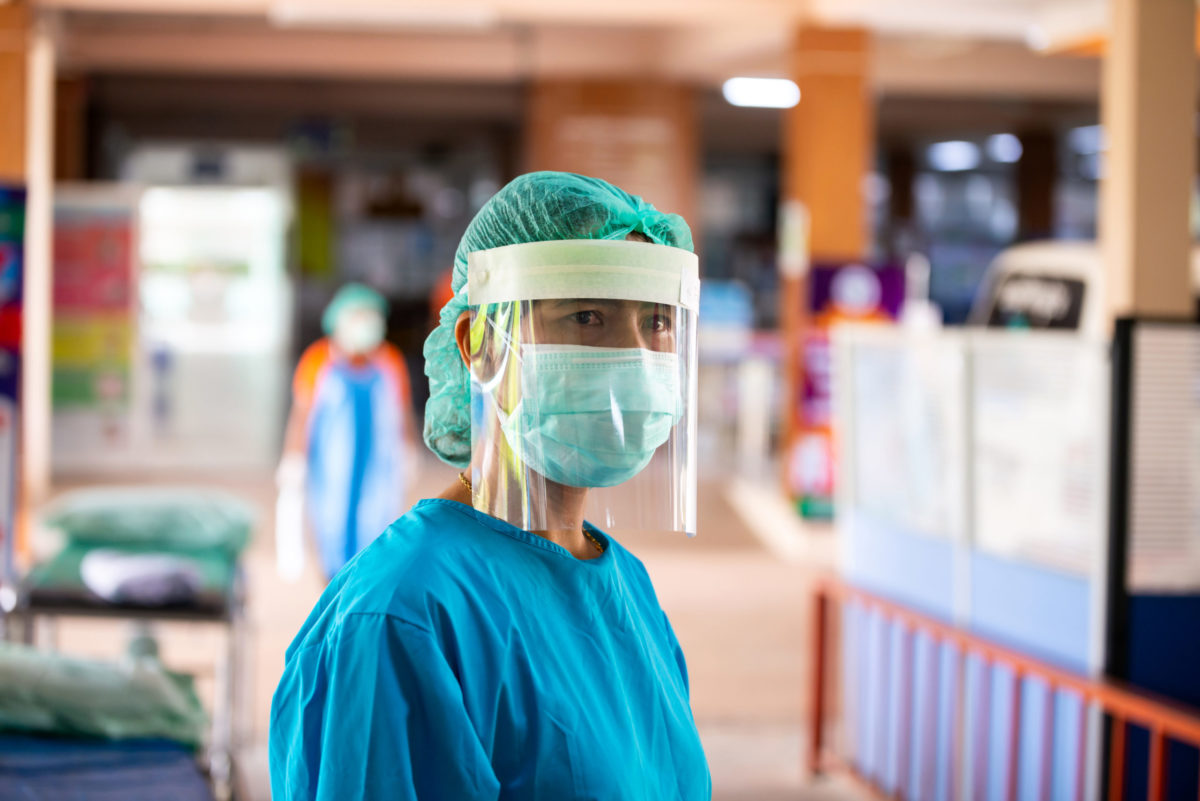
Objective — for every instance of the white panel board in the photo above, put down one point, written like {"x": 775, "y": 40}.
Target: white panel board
{"x": 1040, "y": 447}
{"x": 908, "y": 441}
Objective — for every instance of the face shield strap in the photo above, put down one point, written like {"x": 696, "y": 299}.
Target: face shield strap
{"x": 584, "y": 268}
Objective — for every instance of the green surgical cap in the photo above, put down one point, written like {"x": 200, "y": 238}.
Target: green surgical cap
{"x": 536, "y": 207}
{"x": 352, "y": 296}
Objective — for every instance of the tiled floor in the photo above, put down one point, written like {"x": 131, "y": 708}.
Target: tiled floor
{"x": 739, "y": 606}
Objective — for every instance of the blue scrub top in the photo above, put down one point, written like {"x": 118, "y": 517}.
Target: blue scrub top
{"x": 461, "y": 658}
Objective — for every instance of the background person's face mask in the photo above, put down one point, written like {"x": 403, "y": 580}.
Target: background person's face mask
{"x": 359, "y": 331}
{"x": 593, "y": 417}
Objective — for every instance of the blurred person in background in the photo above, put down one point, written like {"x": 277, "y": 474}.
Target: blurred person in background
{"x": 492, "y": 643}
{"x": 441, "y": 294}
{"x": 349, "y": 439}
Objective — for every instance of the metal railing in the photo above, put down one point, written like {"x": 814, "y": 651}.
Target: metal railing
{"x": 1165, "y": 721}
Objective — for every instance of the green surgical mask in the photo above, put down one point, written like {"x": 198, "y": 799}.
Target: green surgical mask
{"x": 593, "y": 417}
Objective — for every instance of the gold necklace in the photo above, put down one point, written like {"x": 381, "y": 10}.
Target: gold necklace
{"x": 593, "y": 540}
{"x": 466, "y": 482}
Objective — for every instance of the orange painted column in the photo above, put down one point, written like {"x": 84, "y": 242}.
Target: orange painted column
{"x": 14, "y": 49}
{"x": 638, "y": 135}
{"x": 827, "y": 150}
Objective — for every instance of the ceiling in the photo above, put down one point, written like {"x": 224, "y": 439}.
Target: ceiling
{"x": 990, "y": 19}
{"x": 1043, "y": 23}
{"x": 925, "y": 47}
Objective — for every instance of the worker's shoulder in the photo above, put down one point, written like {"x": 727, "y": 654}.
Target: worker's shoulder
{"x": 316, "y": 353}
{"x": 429, "y": 559}
{"x": 633, "y": 568}
{"x": 314, "y": 359}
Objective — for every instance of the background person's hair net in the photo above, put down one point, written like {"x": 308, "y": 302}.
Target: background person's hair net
{"x": 536, "y": 207}
{"x": 352, "y": 296}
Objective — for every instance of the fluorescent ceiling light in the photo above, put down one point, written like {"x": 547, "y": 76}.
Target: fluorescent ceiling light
{"x": 953, "y": 156}
{"x": 378, "y": 15}
{"x": 761, "y": 92}
{"x": 1038, "y": 38}
{"x": 1004, "y": 147}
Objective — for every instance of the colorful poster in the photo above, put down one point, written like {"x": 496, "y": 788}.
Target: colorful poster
{"x": 94, "y": 305}
{"x": 12, "y": 258}
{"x": 849, "y": 292}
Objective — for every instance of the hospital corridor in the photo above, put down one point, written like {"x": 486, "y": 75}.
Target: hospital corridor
{"x": 527, "y": 400}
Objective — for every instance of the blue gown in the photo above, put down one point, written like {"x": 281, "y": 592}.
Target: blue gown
{"x": 355, "y": 479}
{"x": 459, "y": 658}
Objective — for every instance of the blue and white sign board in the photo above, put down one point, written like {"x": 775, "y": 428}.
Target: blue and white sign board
{"x": 975, "y": 491}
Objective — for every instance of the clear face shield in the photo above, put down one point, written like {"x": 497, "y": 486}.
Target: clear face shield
{"x": 583, "y": 384}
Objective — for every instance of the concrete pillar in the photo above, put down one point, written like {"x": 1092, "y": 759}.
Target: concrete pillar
{"x": 639, "y": 135}
{"x": 827, "y": 150}
{"x": 1148, "y": 108}
{"x": 14, "y": 51}
{"x": 39, "y": 224}
{"x": 828, "y": 138}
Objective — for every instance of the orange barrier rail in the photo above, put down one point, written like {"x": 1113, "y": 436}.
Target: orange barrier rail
{"x": 1163, "y": 719}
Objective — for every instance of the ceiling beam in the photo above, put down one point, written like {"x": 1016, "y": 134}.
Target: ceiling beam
{"x": 625, "y": 13}
{"x": 945, "y": 67}
{"x": 704, "y": 56}
{"x": 250, "y": 50}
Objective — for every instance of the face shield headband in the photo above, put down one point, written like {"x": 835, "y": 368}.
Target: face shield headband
{"x": 584, "y": 268}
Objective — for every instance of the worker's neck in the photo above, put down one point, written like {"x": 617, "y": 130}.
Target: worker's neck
{"x": 556, "y": 510}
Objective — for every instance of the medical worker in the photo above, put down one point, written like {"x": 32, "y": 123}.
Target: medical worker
{"x": 349, "y": 436}
{"x": 494, "y": 643}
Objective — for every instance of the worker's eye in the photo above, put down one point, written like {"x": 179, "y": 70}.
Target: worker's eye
{"x": 586, "y": 317}
{"x": 660, "y": 322}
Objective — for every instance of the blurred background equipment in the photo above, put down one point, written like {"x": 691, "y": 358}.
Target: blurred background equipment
{"x": 71, "y": 722}
{"x": 1003, "y": 192}
{"x": 215, "y": 302}
{"x": 134, "y": 554}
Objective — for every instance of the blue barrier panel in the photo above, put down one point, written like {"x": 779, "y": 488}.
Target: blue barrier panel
{"x": 905, "y": 566}
{"x": 1035, "y": 610}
